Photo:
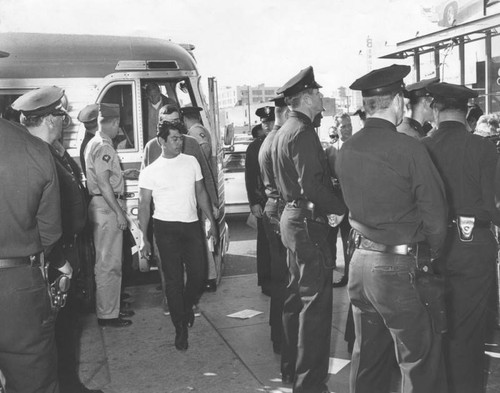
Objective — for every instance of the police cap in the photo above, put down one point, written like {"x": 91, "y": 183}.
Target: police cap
{"x": 265, "y": 113}
{"x": 89, "y": 113}
{"x": 445, "y": 90}
{"x": 109, "y": 110}
{"x": 419, "y": 89}
{"x": 279, "y": 101}
{"x": 39, "y": 102}
{"x": 187, "y": 110}
{"x": 382, "y": 81}
{"x": 302, "y": 81}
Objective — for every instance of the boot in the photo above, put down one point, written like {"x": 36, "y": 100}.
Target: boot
{"x": 181, "y": 336}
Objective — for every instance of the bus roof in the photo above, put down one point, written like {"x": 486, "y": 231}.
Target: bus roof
{"x": 39, "y": 55}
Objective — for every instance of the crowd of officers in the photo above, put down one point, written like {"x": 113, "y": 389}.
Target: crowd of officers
{"x": 416, "y": 207}
{"x": 416, "y": 211}
{"x": 49, "y": 220}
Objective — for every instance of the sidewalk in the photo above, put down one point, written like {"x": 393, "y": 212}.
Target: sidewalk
{"x": 225, "y": 354}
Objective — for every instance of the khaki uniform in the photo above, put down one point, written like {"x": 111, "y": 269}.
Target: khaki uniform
{"x": 203, "y": 137}
{"x": 100, "y": 156}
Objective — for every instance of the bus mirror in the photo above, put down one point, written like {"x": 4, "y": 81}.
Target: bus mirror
{"x": 228, "y": 134}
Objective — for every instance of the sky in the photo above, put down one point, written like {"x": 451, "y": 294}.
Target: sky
{"x": 240, "y": 42}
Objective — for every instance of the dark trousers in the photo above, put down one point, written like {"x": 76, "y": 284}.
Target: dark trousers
{"x": 389, "y": 320}
{"x": 344, "y": 227}
{"x": 279, "y": 270}
{"x": 181, "y": 245}
{"x": 68, "y": 332}
{"x": 307, "y": 312}
{"x": 28, "y": 356}
{"x": 263, "y": 257}
{"x": 470, "y": 273}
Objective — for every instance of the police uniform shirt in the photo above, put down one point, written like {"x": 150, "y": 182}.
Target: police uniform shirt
{"x": 202, "y": 135}
{"x": 253, "y": 181}
{"x": 411, "y": 127}
{"x": 266, "y": 165}
{"x": 100, "y": 156}
{"x": 392, "y": 189}
{"x": 467, "y": 164}
{"x": 29, "y": 193}
{"x": 300, "y": 166}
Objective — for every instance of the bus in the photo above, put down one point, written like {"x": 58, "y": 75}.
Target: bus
{"x": 114, "y": 69}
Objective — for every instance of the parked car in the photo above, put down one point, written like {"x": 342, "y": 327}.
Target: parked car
{"x": 235, "y": 191}
{"x": 448, "y": 13}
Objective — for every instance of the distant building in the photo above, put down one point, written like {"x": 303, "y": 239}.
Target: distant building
{"x": 240, "y": 95}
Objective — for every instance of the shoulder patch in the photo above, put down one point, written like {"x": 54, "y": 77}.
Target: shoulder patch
{"x": 106, "y": 157}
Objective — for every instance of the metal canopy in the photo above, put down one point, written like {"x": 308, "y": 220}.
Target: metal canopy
{"x": 470, "y": 31}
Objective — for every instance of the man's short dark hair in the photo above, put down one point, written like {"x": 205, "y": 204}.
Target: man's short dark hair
{"x": 165, "y": 127}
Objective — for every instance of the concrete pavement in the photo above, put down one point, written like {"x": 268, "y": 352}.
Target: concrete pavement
{"x": 224, "y": 355}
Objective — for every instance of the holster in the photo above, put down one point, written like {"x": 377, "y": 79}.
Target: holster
{"x": 430, "y": 288}
{"x": 317, "y": 231}
{"x": 58, "y": 289}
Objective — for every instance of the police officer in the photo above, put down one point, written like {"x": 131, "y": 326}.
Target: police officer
{"x": 302, "y": 177}
{"x": 467, "y": 165}
{"x": 270, "y": 221}
{"x": 88, "y": 116}
{"x": 420, "y": 110}
{"x": 396, "y": 200}
{"x": 191, "y": 117}
{"x": 105, "y": 183}
{"x": 43, "y": 114}
{"x": 257, "y": 197}
{"x": 30, "y": 224}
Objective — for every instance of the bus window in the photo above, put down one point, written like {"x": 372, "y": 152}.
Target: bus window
{"x": 155, "y": 94}
{"x": 6, "y": 112}
{"x": 121, "y": 94}
{"x": 184, "y": 93}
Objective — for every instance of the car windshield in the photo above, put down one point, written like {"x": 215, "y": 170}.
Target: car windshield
{"x": 234, "y": 162}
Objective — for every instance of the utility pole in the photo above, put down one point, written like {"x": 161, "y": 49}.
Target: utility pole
{"x": 249, "y": 116}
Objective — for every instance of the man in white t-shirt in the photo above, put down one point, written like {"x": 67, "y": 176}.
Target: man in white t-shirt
{"x": 175, "y": 183}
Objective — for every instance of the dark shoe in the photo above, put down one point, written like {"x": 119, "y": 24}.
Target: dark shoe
{"x": 76, "y": 387}
{"x": 266, "y": 291}
{"x": 287, "y": 379}
{"x": 341, "y": 283}
{"x": 190, "y": 318}
{"x": 211, "y": 285}
{"x": 124, "y": 296}
{"x": 126, "y": 313}
{"x": 114, "y": 322}
{"x": 181, "y": 338}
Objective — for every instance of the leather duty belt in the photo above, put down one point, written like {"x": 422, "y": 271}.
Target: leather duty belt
{"x": 6, "y": 263}
{"x": 400, "y": 249}
{"x": 301, "y": 204}
{"x": 117, "y": 196}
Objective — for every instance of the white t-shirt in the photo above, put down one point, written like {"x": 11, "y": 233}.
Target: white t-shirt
{"x": 172, "y": 182}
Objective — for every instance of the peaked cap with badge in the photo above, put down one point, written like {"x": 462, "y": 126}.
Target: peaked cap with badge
{"x": 109, "y": 110}
{"x": 302, "y": 81}
{"x": 419, "y": 89}
{"x": 40, "y": 102}
{"x": 279, "y": 101}
{"x": 443, "y": 91}
{"x": 89, "y": 113}
{"x": 187, "y": 110}
{"x": 382, "y": 81}
{"x": 266, "y": 113}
